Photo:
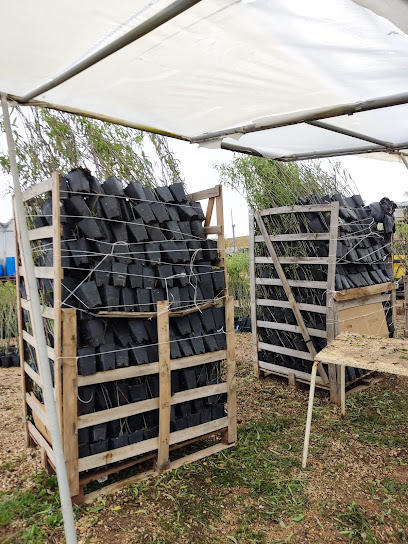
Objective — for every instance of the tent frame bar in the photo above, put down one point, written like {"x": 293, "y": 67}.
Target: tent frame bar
{"x": 351, "y": 133}
{"x": 304, "y": 117}
{"x": 163, "y": 16}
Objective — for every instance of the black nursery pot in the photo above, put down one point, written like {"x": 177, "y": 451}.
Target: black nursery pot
{"x": 152, "y": 418}
{"x": 183, "y": 409}
{"x": 15, "y": 360}
{"x": 110, "y": 296}
{"x": 6, "y": 361}
{"x": 106, "y": 358}
{"x": 122, "y": 358}
{"x": 83, "y": 451}
{"x": 90, "y": 228}
{"x": 86, "y": 361}
{"x": 78, "y": 181}
{"x": 102, "y": 273}
{"x": 110, "y": 207}
{"x": 206, "y": 415}
{"x": 99, "y": 447}
{"x": 98, "y": 432}
{"x": 151, "y": 433}
{"x": 138, "y": 392}
{"x": 119, "y": 272}
{"x": 180, "y": 424}
{"x": 119, "y": 441}
{"x": 136, "y": 437}
{"x": 88, "y": 294}
{"x": 86, "y": 399}
{"x": 189, "y": 378}
{"x": 217, "y": 411}
{"x": 92, "y": 332}
{"x": 138, "y": 330}
{"x": 193, "y": 420}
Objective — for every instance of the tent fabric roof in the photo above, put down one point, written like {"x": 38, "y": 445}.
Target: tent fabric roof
{"x": 238, "y": 74}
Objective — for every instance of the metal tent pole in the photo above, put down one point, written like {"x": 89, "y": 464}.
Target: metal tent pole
{"x": 37, "y": 322}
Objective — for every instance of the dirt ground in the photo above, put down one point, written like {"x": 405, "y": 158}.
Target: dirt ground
{"x": 355, "y": 488}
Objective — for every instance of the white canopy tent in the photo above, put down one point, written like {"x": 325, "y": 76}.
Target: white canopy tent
{"x": 286, "y": 79}
{"x": 277, "y": 78}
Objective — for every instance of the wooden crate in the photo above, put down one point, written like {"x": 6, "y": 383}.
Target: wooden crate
{"x": 67, "y": 381}
{"x": 336, "y": 302}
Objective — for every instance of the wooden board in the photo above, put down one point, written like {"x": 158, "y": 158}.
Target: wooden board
{"x": 369, "y": 352}
{"x": 361, "y": 292}
{"x": 163, "y": 335}
{"x": 297, "y": 209}
{"x": 254, "y": 300}
{"x": 367, "y": 319}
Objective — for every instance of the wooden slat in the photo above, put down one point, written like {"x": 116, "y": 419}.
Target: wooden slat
{"x": 209, "y": 212}
{"x": 45, "y": 310}
{"x": 286, "y": 351}
{"x": 252, "y": 289}
{"x": 362, "y": 301}
{"x": 38, "y": 189}
{"x": 285, "y": 304}
{"x": 361, "y": 292}
{"x": 57, "y": 293}
{"x": 148, "y": 315}
{"x": 199, "y": 392}
{"x": 198, "y": 430}
{"x": 178, "y": 463}
{"x": 231, "y": 371}
{"x": 291, "y": 328}
{"x": 40, "y": 233}
{"x": 112, "y": 456}
{"x": 32, "y": 341}
{"x": 69, "y": 398}
{"x": 120, "y": 412}
{"x": 293, "y": 283}
{"x": 119, "y": 374}
{"x": 32, "y": 374}
{"x": 40, "y": 440}
{"x": 150, "y": 368}
{"x": 40, "y": 272}
{"x": 206, "y": 193}
{"x": 285, "y": 371}
{"x": 297, "y": 209}
{"x": 295, "y": 237}
{"x": 163, "y": 335}
{"x": 214, "y": 229}
{"x": 293, "y": 260}
{"x": 186, "y": 362}
{"x": 38, "y": 409}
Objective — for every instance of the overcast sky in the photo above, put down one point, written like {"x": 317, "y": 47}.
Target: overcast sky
{"x": 373, "y": 178}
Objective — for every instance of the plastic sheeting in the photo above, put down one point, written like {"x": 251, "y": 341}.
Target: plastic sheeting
{"x": 221, "y": 64}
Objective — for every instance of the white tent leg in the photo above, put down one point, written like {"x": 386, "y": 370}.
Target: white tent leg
{"x": 37, "y": 322}
{"x": 309, "y": 414}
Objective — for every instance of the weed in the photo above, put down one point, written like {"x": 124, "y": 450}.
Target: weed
{"x": 353, "y": 523}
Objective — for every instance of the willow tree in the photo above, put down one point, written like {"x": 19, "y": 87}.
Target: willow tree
{"x": 48, "y": 140}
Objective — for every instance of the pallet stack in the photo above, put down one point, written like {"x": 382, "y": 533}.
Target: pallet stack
{"x": 138, "y": 321}
{"x": 317, "y": 269}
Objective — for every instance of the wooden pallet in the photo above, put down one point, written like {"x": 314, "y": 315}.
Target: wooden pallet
{"x": 336, "y": 301}
{"x": 81, "y": 471}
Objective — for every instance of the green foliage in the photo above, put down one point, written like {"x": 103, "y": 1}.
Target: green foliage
{"x": 50, "y": 140}
{"x": 238, "y": 280}
{"x": 8, "y": 312}
{"x": 354, "y": 523}
{"x": 268, "y": 183}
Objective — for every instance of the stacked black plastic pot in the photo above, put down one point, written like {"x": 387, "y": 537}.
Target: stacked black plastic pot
{"x": 124, "y": 248}
{"x": 364, "y": 244}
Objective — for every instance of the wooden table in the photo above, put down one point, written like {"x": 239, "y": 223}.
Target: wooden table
{"x": 361, "y": 351}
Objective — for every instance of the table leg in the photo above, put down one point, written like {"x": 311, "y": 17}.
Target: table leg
{"x": 309, "y": 413}
{"x": 343, "y": 390}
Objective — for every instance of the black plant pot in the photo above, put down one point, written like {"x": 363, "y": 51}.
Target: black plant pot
{"x": 135, "y": 190}
{"x": 122, "y": 358}
{"x": 155, "y": 233}
{"x": 144, "y": 300}
{"x": 102, "y": 273}
{"x": 135, "y": 272}
{"x": 119, "y": 231}
{"x": 164, "y": 194}
{"x": 175, "y": 352}
{"x": 86, "y": 361}
{"x": 183, "y": 409}
{"x": 178, "y": 192}
{"x": 113, "y": 186}
{"x": 206, "y": 415}
{"x": 92, "y": 332}
{"x": 148, "y": 277}
{"x": 153, "y": 253}
{"x": 76, "y": 206}
{"x": 90, "y": 228}
{"x": 175, "y": 382}
{"x": 114, "y": 428}
{"x": 153, "y": 385}
{"x": 110, "y": 295}
{"x": 139, "y": 356}
{"x": 78, "y": 180}
{"x": 119, "y": 442}
{"x": 138, "y": 392}
{"x": 119, "y": 272}
{"x": 83, "y": 435}
{"x": 138, "y": 230}
{"x": 138, "y": 330}
{"x": 189, "y": 378}
{"x": 110, "y": 207}
{"x": 15, "y": 360}
{"x": 185, "y": 347}
{"x": 197, "y": 230}
{"x": 153, "y": 353}
{"x": 173, "y": 231}
{"x": 98, "y": 432}
{"x": 193, "y": 420}
{"x": 198, "y": 345}
{"x": 151, "y": 418}
{"x": 180, "y": 424}
{"x": 164, "y": 271}
{"x": 88, "y": 294}
{"x": 151, "y": 433}
{"x": 106, "y": 357}
{"x": 160, "y": 212}
{"x": 135, "y": 422}
{"x": 144, "y": 211}
{"x": 210, "y": 250}
{"x": 136, "y": 436}
{"x": 173, "y": 213}
{"x": 99, "y": 447}
{"x": 197, "y": 405}
{"x": 83, "y": 451}
{"x": 217, "y": 411}
{"x": 6, "y": 361}
{"x": 86, "y": 399}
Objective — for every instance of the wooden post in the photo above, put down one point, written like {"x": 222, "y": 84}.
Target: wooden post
{"x": 231, "y": 371}
{"x": 163, "y": 460}
{"x": 29, "y": 442}
{"x": 221, "y": 235}
{"x": 255, "y": 355}
{"x": 289, "y": 293}
{"x": 331, "y": 314}
{"x": 57, "y": 288}
{"x": 208, "y": 214}
{"x": 69, "y": 396}
{"x": 309, "y": 414}
{"x": 405, "y": 305}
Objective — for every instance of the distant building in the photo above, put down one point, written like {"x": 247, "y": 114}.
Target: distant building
{"x": 7, "y": 243}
